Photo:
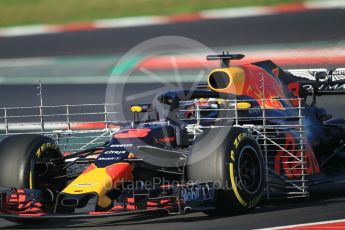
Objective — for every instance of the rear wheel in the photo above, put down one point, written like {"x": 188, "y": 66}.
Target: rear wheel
{"x": 25, "y": 162}
{"x": 236, "y": 164}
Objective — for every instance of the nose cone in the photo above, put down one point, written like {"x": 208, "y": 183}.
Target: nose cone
{"x": 100, "y": 181}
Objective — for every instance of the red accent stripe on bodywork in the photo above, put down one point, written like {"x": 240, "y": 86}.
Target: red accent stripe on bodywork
{"x": 132, "y": 133}
{"x": 92, "y": 125}
{"x": 119, "y": 172}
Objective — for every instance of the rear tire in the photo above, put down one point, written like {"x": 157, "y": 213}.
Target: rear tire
{"x": 19, "y": 168}
{"x": 235, "y": 166}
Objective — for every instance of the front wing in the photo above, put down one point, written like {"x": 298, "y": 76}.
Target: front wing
{"x": 33, "y": 204}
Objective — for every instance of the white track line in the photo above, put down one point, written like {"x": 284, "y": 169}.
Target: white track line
{"x": 303, "y": 225}
{"x": 239, "y": 12}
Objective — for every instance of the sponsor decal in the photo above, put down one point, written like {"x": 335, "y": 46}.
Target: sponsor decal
{"x": 287, "y": 161}
{"x": 334, "y": 87}
{"x": 44, "y": 147}
{"x": 255, "y": 201}
{"x": 115, "y": 152}
{"x": 196, "y": 193}
{"x": 254, "y": 110}
{"x": 121, "y": 146}
{"x": 85, "y": 184}
{"x": 109, "y": 158}
{"x": 233, "y": 179}
{"x": 239, "y": 138}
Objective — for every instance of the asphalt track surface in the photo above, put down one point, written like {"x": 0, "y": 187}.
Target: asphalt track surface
{"x": 325, "y": 25}
{"x": 317, "y": 25}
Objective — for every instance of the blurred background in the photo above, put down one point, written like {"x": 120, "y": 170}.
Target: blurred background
{"x": 72, "y": 46}
{"x": 21, "y": 12}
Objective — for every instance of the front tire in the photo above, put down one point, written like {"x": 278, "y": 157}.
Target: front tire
{"x": 238, "y": 165}
{"x": 25, "y": 163}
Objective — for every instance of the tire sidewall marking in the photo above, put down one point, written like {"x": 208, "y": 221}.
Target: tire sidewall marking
{"x": 38, "y": 154}
{"x": 233, "y": 176}
{"x": 44, "y": 147}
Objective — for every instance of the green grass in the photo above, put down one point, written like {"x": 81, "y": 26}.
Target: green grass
{"x": 22, "y": 12}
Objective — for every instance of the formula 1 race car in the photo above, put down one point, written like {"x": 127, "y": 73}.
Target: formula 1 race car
{"x": 247, "y": 135}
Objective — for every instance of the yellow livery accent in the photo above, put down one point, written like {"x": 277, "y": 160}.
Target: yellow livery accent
{"x": 30, "y": 180}
{"x": 234, "y": 186}
{"x": 243, "y": 105}
{"x": 234, "y": 83}
{"x": 96, "y": 180}
{"x": 136, "y": 109}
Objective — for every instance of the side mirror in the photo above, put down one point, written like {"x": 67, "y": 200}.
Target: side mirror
{"x": 141, "y": 108}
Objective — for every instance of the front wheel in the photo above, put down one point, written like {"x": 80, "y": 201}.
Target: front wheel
{"x": 26, "y": 161}
{"x": 238, "y": 165}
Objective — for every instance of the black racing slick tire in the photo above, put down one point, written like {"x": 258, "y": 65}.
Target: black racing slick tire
{"x": 25, "y": 163}
{"x": 235, "y": 166}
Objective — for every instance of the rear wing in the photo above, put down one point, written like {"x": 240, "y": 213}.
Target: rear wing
{"x": 319, "y": 81}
